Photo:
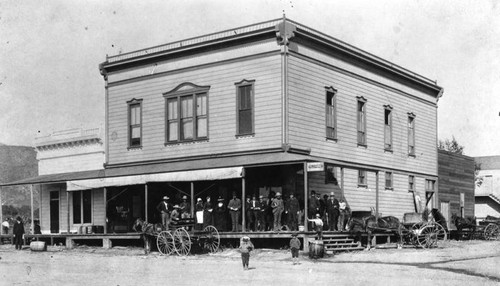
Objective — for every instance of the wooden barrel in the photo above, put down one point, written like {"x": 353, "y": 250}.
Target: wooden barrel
{"x": 316, "y": 249}
{"x": 38, "y": 246}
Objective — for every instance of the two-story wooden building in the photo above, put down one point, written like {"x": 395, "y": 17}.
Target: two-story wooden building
{"x": 247, "y": 109}
{"x": 270, "y": 107}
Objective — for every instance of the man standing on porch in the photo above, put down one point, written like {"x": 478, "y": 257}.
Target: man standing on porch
{"x": 164, "y": 207}
{"x": 313, "y": 205}
{"x": 278, "y": 208}
{"x": 332, "y": 208}
{"x": 234, "y": 208}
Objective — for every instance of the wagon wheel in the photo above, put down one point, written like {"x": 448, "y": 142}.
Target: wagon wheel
{"x": 427, "y": 236}
{"x": 212, "y": 239}
{"x": 182, "y": 242}
{"x": 491, "y": 232}
{"x": 414, "y": 231}
{"x": 165, "y": 243}
{"x": 440, "y": 231}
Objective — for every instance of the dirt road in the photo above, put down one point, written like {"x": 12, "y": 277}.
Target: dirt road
{"x": 455, "y": 263}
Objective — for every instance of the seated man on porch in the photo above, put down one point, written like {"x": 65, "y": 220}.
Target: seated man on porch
{"x": 176, "y": 214}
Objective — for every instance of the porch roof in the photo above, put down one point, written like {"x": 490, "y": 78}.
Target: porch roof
{"x": 164, "y": 171}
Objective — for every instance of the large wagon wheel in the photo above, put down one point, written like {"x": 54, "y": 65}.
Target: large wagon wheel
{"x": 414, "y": 231}
{"x": 440, "y": 231}
{"x": 165, "y": 243}
{"x": 211, "y": 239}
{"x": 182, "y": 242}
{"x": 427, "y": 236}
{"x": 491, "y": 231}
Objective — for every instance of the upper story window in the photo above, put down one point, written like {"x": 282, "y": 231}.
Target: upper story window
{"x": 411, "y": 134}
{"x": 186, "y": 113}
{"x": 387, "y": 127}
{"x": 430, "y": 185}
{"x": 245, "y": 107}
{"x": 361, "y": 114}
{"x": 388, "y": 180}
{"x": 331, "y": 113}
{"x": 362, "y": 180}
{"x": 134, "y": 123}
{"x": 411, "y": 183}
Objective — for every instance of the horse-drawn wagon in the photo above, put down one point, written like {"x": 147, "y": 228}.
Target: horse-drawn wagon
{"x": 418, "y": 229}
{"x": 179, "y": 238}
{"x": 488, "y": 229}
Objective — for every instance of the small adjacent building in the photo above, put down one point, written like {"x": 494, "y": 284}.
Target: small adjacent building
{"x": 487, "y": 192}
{"x": 456, "y": 185}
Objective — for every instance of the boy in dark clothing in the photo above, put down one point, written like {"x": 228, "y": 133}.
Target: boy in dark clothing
{"x": 245, "y": 247}
{"x": 18, "y": 233}
{"x": 294, "y": 247}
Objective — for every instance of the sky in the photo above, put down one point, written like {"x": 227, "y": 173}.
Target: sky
{"x": 50, "y": 52}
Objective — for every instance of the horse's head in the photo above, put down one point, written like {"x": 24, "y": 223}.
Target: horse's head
{"x": 137, "y": 226}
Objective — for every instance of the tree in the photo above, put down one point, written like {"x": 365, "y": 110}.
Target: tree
{"x": 451, "y": 146}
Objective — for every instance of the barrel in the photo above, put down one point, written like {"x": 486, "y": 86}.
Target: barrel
{"x": 98, "y": 229}
{"x": 316, "y": 249}
{"x": 38, "y": 246}
{"x": 301, "y": 228}
{"x": 89, "y": 229}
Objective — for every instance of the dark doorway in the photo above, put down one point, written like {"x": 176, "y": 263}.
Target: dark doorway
{"x": 54, "y": 212}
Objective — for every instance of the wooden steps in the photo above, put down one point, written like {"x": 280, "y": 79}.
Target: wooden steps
{"x": 340, "y": 242}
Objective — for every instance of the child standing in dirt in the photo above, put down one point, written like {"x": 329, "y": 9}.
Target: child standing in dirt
{"x": 294, "y": 247}
{"x": 245, "y": 247}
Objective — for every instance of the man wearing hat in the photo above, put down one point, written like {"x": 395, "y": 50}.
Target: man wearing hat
{"x": 292, "y": 209}
{"x": 164, "y": 207}
{"x": 278, "y": 208}
{"x": 235, "y": 210}
{"x": 313, "y": 206}
{"x": 332, "y": 208}
{"x": 185, "y": 208}
{"x": 256, "y": 218}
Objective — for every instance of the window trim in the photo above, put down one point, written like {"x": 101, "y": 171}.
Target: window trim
{"x": 184, "y": 90}
{"x": 411, "y": 183}
{"x": 82, "y": 211}
{"x": 391, "y": 177}
{"x": 238, "y": 85}
{"x": 359, "y": 100}
{"x": 333, "y": 91}
{"x": 388, "y": 108}
{"x": 130, "y": 104}
{"x": 411, "y": 149}
{"x": 364, "y": 183}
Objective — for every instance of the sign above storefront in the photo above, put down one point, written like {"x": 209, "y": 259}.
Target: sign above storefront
{"x": 315, "y": 167}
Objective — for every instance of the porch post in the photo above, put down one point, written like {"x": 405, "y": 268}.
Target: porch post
{"x": 1, "y": 203}
{"x": 243, "y": 204}
{"x": 376, "y": 194}
{"x": 40, "y": 206}
{"x": 105, "y": 190}
{"x": 67, "y": 206}
{"x": 342, "y": 183}
{"x": 306, "y": 197}
{"x": 192, "y": 200}
{"x": 146, "y": 202}
{"x": 32, "y": 228}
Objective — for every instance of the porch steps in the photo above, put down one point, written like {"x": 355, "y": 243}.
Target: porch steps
{"x": 339, "y": 242}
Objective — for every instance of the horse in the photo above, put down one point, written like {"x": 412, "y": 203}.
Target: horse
{"x": 148, "y": 232}
{"x": 371, "y": 224}
{"x": 464, "y": 223}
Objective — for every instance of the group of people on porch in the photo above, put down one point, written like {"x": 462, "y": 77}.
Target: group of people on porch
{"x": 262, "y": 213}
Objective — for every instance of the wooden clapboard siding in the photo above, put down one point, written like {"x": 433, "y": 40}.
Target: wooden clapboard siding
{"x": 207, "y": 57}
{"x": 45, "y": 209}
{"x": 398, "y": 200}
{"x": 307, "y": 82}
{"x": 265, "y": 71}
{"x": 359, "y": 199}
{"x": 341, "y": 63}
{"x": 456, "y": 175}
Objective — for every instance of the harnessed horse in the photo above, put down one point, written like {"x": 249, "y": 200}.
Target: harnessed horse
{"x": 464, "y": 223}
{"x": 371, "y": 224}
{"x": 148, "y": 232}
